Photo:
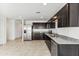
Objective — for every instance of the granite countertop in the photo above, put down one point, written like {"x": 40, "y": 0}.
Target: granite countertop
{"x": 60, "y": 39}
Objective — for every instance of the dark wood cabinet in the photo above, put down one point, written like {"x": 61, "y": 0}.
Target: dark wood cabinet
{"x": 68, "y": 15}
{"x": 68, "y": 50}
{"x": 73, "y": 14}
{"x": 61, "y": 49}
{"x": 48, "y": 42}
{"x": 38, "y": 30}
{"x": 39, "y": 25}
{"x": 50, "y": 25}
{"x": 54, "y": 48}
{"x": 63, "y": 18}
{"x": 64, "y": 49}
{"x": 37, "y": 36}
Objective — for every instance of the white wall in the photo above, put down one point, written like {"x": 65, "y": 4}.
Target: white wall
{"x": 28, "y": 22}
{"x": 2, "y": 30}
{"x": 10, "y": 29}
{"x": 31, "y": 22}
{"x": 18, "y": 28}
{"x": 68, "y": 31}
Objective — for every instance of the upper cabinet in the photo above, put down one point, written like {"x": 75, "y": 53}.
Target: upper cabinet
{"x": 73, "y": 14}
{"x": 51, "y": 24}
{"x": 63, "y": 16}
{"x": 39, "y": 25}
{"x": 68, "y": 15}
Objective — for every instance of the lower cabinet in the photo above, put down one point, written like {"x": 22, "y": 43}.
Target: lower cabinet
{"x": 37, "y": 36}
{"x": 64, "y": 49}
{"x": 61, "y": 49}
{"x": 54, "y": 49}
{"x": 48, "y": 42}
{"x": 68, "y": 50}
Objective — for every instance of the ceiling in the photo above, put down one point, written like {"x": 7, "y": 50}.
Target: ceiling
{"x": 28, "y": 11}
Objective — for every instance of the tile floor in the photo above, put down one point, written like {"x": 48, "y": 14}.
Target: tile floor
{"x": 26, "y": 48}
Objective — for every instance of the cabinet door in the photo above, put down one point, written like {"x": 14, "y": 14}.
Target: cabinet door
{"x": 48, "y": 42}
{"x": 52, "y": 25}
{"x": 48, "y": 25}
{"x": 54, "y": 49}
{"x": 41, "y": 36}
{"x": 35, "y": 26}
{"x": 60, "y": 22}
{"x": 74, "y": 14}
{"x": 59, "y": 15}
{"x": 68, "y": 50}
{"x": 68, "y": 15}
{"x": 65, "y": 16}
{"x": 63, "y": 19}
{"x": 39, "y": 25}
{"x": 36, "y": 36}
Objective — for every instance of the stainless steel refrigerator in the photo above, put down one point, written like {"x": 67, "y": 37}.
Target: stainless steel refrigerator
{"x": 27, "y": 32}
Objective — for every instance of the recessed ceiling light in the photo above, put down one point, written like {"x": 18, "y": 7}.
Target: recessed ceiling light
{"x": 55, "y": 17}
{"x": 37, "y": 12}
{"x": 44, "y": 3}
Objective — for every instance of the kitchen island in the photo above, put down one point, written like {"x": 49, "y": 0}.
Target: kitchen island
{"x": 60, "y": 45}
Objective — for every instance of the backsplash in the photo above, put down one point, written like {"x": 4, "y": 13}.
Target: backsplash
{"x": 68, "y": 31}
